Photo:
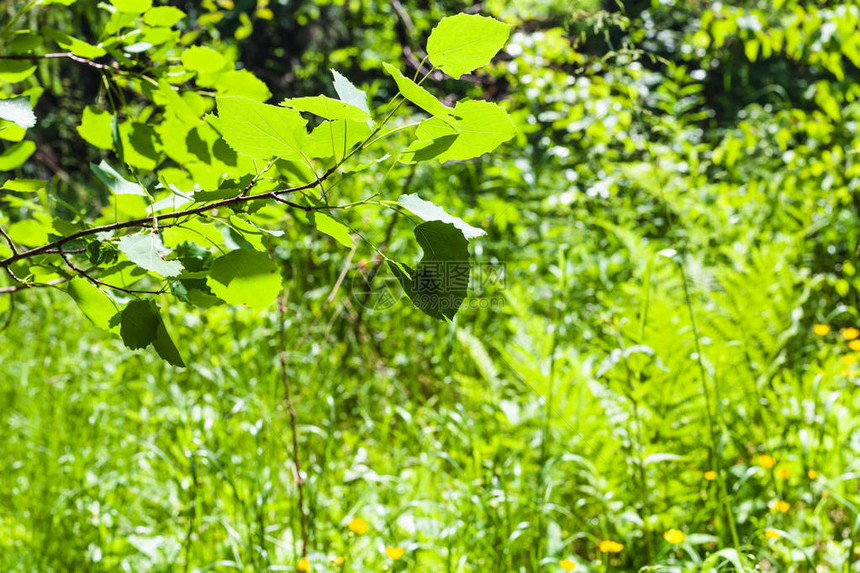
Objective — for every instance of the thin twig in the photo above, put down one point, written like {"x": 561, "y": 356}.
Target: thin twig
{"x": 94, "y": 280}
{"x": 65, "y": 55}
{"x": 25, "y": 286}
{"x": 297, "y": 468}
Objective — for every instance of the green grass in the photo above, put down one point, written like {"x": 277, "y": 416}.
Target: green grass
{"x": 509, "y": 451}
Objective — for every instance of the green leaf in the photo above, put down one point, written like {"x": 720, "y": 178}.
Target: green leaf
{"x": 139, "y": 322}
{"x": 74, "y": 45}
{"x": 116, "y": 182}
{"x": 165, "y": 347}
{"x": 176, "y": 106}
{"x": 255, "y": 235}
{"x": 145, "y": 251}
{"x": 141, "y": 145}
{"x": 202, "y": 59}
{"x": 24, "y": 42}
{"x": 95, "y": 127}
{"x": 164, "y": 16}
{"x": 11, "y": 132}
{"x": 327, "y": 108}
{"x": 14, "y": 71}
{"x": 245, "y": 277}
{"x": 462, "y": 43}
{"x": 259, "y": 130}
{"x": 16, "y": 154}
{"x": 327, "y": 139}
{"x": 439, "y": 284}
{"x": 19, "y": 111}
{"x": 332, "y": 227}
{"x": 30, "y": 232}
{"x": 419, "y": 96}
{"x": 348, "y": 93}
{"x": 237, "y": 83}
{"x": 95, "y": 303}
{"x": 25, "y": 185}
{"x": 133, "y": 6}
{"x": 483, "y": 127}
{"x": 430, "y": 212}
{"x": 193, "y": 231}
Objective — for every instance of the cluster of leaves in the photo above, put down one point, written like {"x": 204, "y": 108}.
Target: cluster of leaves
{"x": 205, "y": 192}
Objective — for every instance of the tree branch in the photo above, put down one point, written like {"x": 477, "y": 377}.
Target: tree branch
{"x": 149, "y": 221}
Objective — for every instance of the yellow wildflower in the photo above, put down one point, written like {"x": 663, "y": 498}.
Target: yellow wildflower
{"x": 812, "y": 474}
{"x": 849, "y": 359}
{"x": 394, "y": 553}
{"x": 781, "y": 506}
{"x": 358, "y": 526}
{"x": 767, "y": 462}
{"x": 304, "y": 564}
{"x": 609, "y": 546}
{"x": 850, "y": 333}
{"x": 854, "y": 345}
{"x": 710, "y": 475}
{"x": 674, "y": 536}
{"x": 338, "y": 560}
{"x": 821, "y": 329}
{"x": 567, "y": 564}
{"x": 772, "y": 534}
{"x": 783, "y": 473}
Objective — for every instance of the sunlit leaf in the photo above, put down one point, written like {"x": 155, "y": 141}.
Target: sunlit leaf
{"x": 202, "y": 59}
{"x": 165, "y": 16}
{"x": 327, "y": 108}
{"x": 430, "y": 212}
{"x": 245, "y": 277}
{"x": 95, "y": 127}
{"x": 25, "y": 185}
{"x": 419, "y": 96}
{"x": 332, "y": 227}
{"x": 133, "y": 6}
{"x": 16, "y": 70}
{"x": 348, "y": 93}
{"x": 116, "y": 182}
{"x": 259, "y": 130}
{"x": 462, "y": 43}
{"x": 483, "y": 127}
{"x": 146, "y": 252}
{"x": 95, "y": 303}
{"x": 16, "y": 154}
{"x": 18, "y": 110}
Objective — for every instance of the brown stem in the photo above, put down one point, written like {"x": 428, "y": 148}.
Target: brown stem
{"x": 297, "y": 468}
{"x": 149, "y": 221}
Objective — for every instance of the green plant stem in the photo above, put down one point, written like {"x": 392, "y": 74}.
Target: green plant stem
{"x": 715, "y": 457}
{"x": 291, "y": 411}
